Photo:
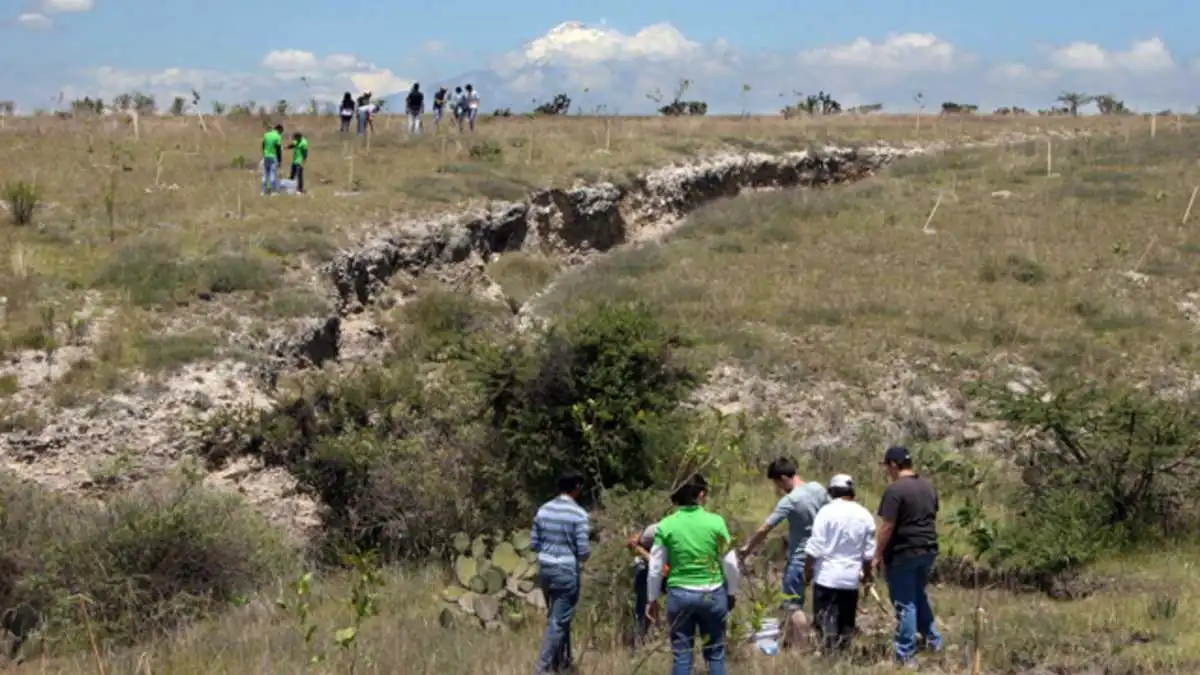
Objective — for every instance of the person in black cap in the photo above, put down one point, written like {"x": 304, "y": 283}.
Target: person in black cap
{"x": 906, "y": 548}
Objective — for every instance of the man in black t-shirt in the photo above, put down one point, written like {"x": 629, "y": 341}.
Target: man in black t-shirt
{"x": 906, "y": 548}
{"x": 414, "y": 105}
{"x": 439, "y": 107}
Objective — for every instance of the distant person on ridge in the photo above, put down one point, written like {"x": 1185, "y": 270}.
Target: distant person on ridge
{"x": 415, "y": 107}
{"x": 272, "y": 149}
{"x": 299, "y": 148}
{"x": 906, "y": 549}
{"x": 799, "y": 506}
{"x": 439, "y": 107}
{"x": 363, "y": 111}
{"x": 560, "y": 539}
{"x": 346, "y": 111}
{"x": 472, "y": 105}
{"x": 460, "y": 107}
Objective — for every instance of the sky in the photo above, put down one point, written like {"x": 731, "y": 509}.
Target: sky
{"x": 614, "y": 55}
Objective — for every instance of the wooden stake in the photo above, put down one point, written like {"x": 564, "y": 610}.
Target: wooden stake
{"x": 925, "y": 227}
{"x": 1154, "y": 125}
{"x": 91, "y": 636}
{"x": 1049, "y": 157}
{"x": 1191, "y": 202}
{"x": 1179, "y": 124}
{"x": 608, "y": 134}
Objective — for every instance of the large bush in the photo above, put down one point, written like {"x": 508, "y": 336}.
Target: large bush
{"x": 601, "y": 393}
{"x": 404, "y": 455}
{"x": 1100, "y": 466}
{"x": 144, "y": 563}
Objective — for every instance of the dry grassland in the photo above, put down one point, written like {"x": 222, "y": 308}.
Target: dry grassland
{"x": 1090, "y": 269}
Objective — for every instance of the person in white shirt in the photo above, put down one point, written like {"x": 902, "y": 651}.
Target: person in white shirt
{"x": 838, "y": 558}
{"x": 472, "y": 105}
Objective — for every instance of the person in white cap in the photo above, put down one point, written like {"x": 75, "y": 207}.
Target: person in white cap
{"x": 838, "y": 557}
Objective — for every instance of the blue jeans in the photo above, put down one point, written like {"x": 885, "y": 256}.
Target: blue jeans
{"x": 689, "y": 611}
{"x": 793, "y": 585}
{"x": 906, "y": 579}
{"x": 362, "y": 122}
{"x": 270, "y": 175}
{"x": 641, "y": 598}
{"x": 560, "y": 586}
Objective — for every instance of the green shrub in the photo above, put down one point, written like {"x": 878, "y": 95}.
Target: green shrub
{"x": 405, "y": 455}
{"x": 22, "y": 199}
{"x": 1102, "y": 466}
{"x": 145, "y": 563}
{"x": 601, "y": 394}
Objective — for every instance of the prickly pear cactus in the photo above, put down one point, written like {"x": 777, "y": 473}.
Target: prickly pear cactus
{"x": 494, "y": 582}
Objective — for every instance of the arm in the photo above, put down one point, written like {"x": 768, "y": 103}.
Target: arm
{"x": 535, "y": 537}
{"x": 658, "y": 557}
{"x": 583, "y": 548}
{"x": 817, "y": 546}
{"x": 868, "y": 555}
{"x": 780, "y": 512}
{"x": 889, "y": 509}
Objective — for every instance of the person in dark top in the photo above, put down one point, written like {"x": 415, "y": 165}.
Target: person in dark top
{"x": 439, "y": 106}
{"x": 906, "y": 548}
{"x": 414, "y": 105}
{"x": 346, "y": 111}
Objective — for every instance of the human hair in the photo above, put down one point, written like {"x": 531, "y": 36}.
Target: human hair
{"x": 903, "y": 464}
{"x": 470, "y": 88}
{"x": 279, "y": 128}
{"x": 570, "y": 481}
{"x": 783, "y": 467}
{"x": 689, "y": 493}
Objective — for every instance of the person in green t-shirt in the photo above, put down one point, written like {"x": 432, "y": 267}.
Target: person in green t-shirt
{"x": 272, "y": 148}
{"x": 704, "y": 577}
{"x": 299, "y": 148}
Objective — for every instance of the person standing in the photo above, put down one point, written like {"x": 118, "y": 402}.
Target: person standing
{"x": 439, "y": 107}
{"x": 703, "y": 584}
{"x": 472, "y": 105}
{"x": 460, "y": 107}
{"x": 838, "y": 554}
{"x": 414, "y": 105}
{"x": 346, "y": 111}
{"x": 906, "y": 551}
{"x": 272, "y": 149}
{"x": 363, "y": 111}
{"x": 798, "y": 505}
{"x": 560, "y": 539}
{"x": 640, "y": 544}
{"x": 299, "y": 148}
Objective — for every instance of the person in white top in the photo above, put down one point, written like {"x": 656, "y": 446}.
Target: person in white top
{"x": 838, "y": 558}
{"x": 472, "y": 105}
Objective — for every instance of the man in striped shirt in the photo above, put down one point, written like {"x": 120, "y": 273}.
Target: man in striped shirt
{"x": 560, "y": 538}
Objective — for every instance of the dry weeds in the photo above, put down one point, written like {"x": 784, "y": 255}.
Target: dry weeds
{"x": 1088, "y": 270}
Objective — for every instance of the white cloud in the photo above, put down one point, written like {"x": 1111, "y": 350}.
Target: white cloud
{"x": 899, "y": 52}
{"x": 602, "y": 66}
{"x": 324, "y": 74}
{"x": 34, "y": 20}
{"x": 1143, "y": 56}
{"x": 67, "y": 6}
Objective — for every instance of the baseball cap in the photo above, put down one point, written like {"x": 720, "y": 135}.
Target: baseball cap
{"x": 841, "y": 481}
{"x": 896, "y": 453}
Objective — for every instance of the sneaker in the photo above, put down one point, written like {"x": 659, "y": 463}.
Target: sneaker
{"x": 910, "y": 664}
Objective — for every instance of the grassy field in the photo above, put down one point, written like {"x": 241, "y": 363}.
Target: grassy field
{"x": 937, "y": 268}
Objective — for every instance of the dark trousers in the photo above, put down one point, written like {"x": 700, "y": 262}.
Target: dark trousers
{"x": 298, "y": 176}
{"x": 834, "y": 614}
{"x": 346, "y": 122}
